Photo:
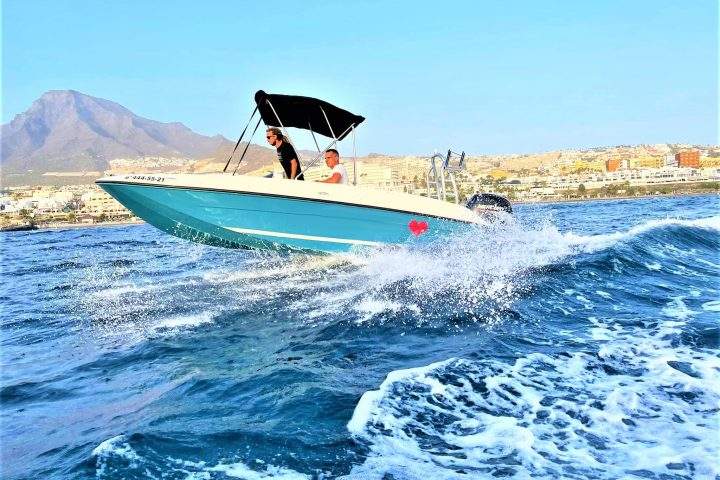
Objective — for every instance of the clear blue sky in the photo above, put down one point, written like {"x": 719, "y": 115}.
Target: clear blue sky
{"x": 487, "y": 77}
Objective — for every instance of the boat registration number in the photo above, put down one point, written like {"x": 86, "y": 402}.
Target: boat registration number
{"x": 147, "y": 178}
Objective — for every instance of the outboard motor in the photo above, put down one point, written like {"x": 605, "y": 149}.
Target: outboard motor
{"x": 480, "y": 202}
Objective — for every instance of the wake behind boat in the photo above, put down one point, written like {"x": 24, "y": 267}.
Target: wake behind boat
{"x": 270, "y": 213}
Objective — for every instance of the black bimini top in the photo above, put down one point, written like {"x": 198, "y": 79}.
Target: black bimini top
{"x": 306, "y": 113}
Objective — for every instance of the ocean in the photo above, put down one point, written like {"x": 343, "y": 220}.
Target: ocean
{"x": 576, "y": 340}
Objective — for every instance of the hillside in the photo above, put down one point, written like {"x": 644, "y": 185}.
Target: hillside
{"x": 65, "y": 130}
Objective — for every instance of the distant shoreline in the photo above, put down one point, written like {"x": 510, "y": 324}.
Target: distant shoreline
{"x": 61, "y": 225}
{"x": 624, "y": 197}
{"x": 118, "y": 223}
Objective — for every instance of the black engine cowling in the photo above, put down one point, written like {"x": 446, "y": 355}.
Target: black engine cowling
{"x": 489, "y": 200}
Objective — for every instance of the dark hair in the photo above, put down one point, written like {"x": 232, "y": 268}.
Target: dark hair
{"x": 333, "y": 151}
{"x": 276, "y": 131}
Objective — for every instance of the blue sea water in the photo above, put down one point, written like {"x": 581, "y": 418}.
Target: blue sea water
{"x": 580, "y": 340}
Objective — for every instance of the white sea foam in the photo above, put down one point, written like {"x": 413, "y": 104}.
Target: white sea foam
{"x": 677, "y": 309}
{"x": 240, "y": 470}
{"x": 639, "y": 405}
{"x": 118, "y": 448}
{"x": 371, "y": 307}
{"x": 460, "y": 274}
{"x": 115, "y": 446}
{"x": 140, "y": 329}
{"x": 369, "y": 403}
{"x": 116, "y": 458}
{"x": 183, "y": 321}
{"x": 114, "y": 293}
{"x": 712, "y": 306}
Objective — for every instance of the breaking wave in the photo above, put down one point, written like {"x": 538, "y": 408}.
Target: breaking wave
{"x": 116, "y": 458}
{"x": 638, "y": 406}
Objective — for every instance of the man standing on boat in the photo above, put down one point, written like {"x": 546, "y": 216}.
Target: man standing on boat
{"x": 339, "y": 173}
{"x": 287, "y": 156}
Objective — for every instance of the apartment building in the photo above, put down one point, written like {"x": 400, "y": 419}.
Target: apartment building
{"x": 97, "y": 202}
{"x": 646, "y": 161}
{"x": 688, "y": 158}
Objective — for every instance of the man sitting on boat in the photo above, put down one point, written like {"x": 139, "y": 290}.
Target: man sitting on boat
{"x": 339, "y": 173}
{"x": 287, "y": 156}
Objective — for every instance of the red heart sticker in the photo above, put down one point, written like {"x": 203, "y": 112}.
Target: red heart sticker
{"x": 417, "y": 228}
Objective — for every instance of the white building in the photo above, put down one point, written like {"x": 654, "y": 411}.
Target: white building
{"x": 97, "y": 202}
{"x": 8, "y": 205}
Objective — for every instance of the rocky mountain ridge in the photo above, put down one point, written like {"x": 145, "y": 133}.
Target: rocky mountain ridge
{"x": 65, "y": 130}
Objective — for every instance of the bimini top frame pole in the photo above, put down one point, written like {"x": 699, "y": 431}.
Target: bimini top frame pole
{"x": 328, "y": 123}
{"x": 313, "y": 137}
{"x": 354, "y": 158}
{"x": 285, "y": 132}
{"x": 247, "y": 145}
{"x": 320, "y": 152}
{"x": 240, "y": 140}
{"x": 352, "y": 128}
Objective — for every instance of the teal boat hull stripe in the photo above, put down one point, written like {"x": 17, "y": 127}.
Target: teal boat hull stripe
{"x": 265, "y": 233}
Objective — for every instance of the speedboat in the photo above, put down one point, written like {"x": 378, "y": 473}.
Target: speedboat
{"x": 242, "y": 211}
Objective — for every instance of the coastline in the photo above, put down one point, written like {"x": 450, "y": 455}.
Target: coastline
{"x": 62, "y": 225}
{"x": 622, "y": 197}
{"x": 117, "y": 223}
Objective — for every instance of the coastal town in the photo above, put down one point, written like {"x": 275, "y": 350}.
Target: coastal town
{"x": 621, "y": 171}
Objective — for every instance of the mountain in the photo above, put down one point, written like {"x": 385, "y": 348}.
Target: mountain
{"x": 65, "y": 130}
